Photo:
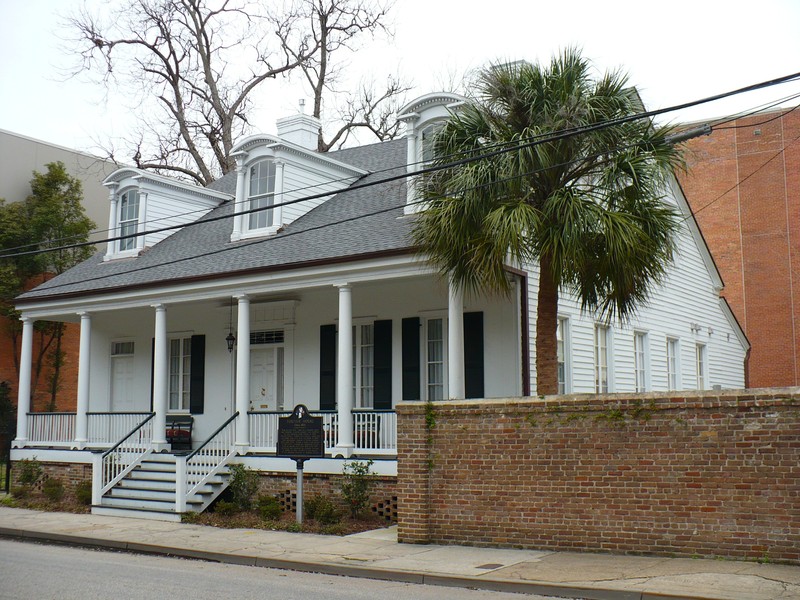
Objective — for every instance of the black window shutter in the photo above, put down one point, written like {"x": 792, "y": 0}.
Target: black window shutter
{"x": 327, "y": 367}
{"x": 473, "y": 355}
{"x": 197, "y": 377}
{"x": 383, "y": 365}
{"x": 152, "y": 370}
{"x": 411, "y": 358}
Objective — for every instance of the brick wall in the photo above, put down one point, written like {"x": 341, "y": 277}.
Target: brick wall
{"x": 383, "y": 495}
{"x": 66, "y": 398}
{"x": 743, "y": 187}
{"x": 698, "y": 474}
{"x": 70, "y": 474}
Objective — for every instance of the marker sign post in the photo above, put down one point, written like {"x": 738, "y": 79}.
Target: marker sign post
{"x": 300, "y": 438}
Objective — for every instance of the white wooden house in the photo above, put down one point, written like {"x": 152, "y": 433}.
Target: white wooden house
{"x": 310, "y": 292}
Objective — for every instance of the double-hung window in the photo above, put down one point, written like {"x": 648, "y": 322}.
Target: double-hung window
{"x": 261, "y": 194}
{"x": 673, "y": 364}
{"x": 640, "y": 360}
{"x": 562, "y": 352}
{"x": 364, "y": 365}
{"x": 426, "y": 139}
{"x": 601, "y": 359}
{"x": 128, "y": 219}
{"x": 436, "y": 351}
{"x": 180, "y": 361}
{"x": 701, "y": 361}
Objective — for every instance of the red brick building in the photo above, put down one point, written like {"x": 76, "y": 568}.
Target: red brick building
{"x": 744, "y": 188}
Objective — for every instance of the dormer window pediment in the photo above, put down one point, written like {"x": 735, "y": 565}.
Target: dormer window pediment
{"x": 141, "y": 203}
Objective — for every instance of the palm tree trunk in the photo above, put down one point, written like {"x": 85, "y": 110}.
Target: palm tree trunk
{"x": 546, "y": 325}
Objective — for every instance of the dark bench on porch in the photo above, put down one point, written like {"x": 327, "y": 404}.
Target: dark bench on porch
{"x": 179, "y": 431}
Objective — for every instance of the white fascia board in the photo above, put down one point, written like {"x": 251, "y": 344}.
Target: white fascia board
{"x": 278, "y": 145}
{"x": 734, "y": 322}
{"x": 258, "y": 283}
{"x": 146, "y": 179}
{"x": 694, "y": 230}
{"x": 48, "y": 455}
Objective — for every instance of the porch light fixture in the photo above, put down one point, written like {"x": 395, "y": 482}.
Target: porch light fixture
{"x": 230, "y": 339}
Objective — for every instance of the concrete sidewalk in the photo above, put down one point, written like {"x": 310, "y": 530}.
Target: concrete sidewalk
{"x": 377, "y": 555}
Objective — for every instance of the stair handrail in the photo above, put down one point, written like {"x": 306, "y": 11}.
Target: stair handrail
{"x": 119, "y": 460}
{"x": 193, "y": 470}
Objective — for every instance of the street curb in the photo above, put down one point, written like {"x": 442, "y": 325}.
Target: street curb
{"x": 363, "y": 572}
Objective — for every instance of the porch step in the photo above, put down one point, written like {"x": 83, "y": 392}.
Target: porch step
{"x": 149, "y": 492}
{"x": 137, "y": 513}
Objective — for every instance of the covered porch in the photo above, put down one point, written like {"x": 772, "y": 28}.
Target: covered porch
{"x": 349, "y": 342}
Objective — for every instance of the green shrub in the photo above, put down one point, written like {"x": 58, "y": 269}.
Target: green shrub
{"x": 21, "y": 491}
{"x": 333, "y": 529}
{"x": 225, "y": 508}
{"x": 243, "y": 486}
{"x": 269, "y": 507}
{"x": 322, "y": 509}
{"x": 30, "y": 470}
{"x": 356, "y": 485}
{"x": 190, "y": 516}
{"x": 8, "y": 501}
{"x": 53, "y": 489}
{"x": 83, "y": 493}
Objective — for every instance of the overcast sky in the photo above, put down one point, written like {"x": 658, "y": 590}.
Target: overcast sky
{"x": 674, "y": 52}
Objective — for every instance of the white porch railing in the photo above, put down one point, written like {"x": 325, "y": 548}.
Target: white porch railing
{"x": 113, "y": 464}
{"x": 374, "y": 431}
{"x": 106, "y": 428}
{"x": 194, "y": 470}
{"x": 51, "y": 429}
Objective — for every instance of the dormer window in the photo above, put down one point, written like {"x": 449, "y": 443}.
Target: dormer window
{"x": 261, "y": 194}
{"x": 128, "y": 219}
{"x": 427, "y": 136}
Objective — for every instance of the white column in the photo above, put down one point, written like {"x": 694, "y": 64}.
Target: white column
{"x": 112, "y": 221}
{"x": 455, "y": 342}
{"x": 84, "y": 361}
{"x": 239, "y": 206}
{"x": 24, "y": 391}
{"x": 160, "y": 378}
{"x": 142, "y": 225}
{"x": 411, "y": 165}
{"x": 344, "y": 372}
{"x": 242, "y": 372}
{"x": 277, "y": 213}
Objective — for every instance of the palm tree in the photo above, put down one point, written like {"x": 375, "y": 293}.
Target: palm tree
{"x": 554, "y": 187}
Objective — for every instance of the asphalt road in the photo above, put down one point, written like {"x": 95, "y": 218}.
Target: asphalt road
{"x": 37, "y": 571}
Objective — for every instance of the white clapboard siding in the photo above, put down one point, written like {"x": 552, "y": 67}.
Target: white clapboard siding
{"x": 687, "y": 297}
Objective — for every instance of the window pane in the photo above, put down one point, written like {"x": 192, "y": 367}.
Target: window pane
{"x": 601, "y": 359}
{"x": 261, "y": 190}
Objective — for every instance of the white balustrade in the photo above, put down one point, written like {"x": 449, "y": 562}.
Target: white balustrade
{"x": 105, "y": 429}
{"x": 51, "y": 429}
{"x": 209, "y": 459}
{"x": 114, "y": 464}
{"x": 373, "y": 431}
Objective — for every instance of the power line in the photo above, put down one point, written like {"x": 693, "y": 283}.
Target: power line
{"x": 500, "y": 149}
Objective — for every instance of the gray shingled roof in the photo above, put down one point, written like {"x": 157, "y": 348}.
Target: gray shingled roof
{"x": 335, "y": 229}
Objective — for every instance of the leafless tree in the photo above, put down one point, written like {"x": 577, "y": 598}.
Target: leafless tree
{"x": 337, "y": 27}
{"x": 192, "y": 68}
{"x": 201, "y": 60}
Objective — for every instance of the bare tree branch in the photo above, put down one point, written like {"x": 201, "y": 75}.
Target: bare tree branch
{"x": 182, "y": 54}
{"x": 337, "y": 26}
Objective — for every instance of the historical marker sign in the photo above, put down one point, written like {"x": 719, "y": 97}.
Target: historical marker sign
{"x": 300, "y": 435}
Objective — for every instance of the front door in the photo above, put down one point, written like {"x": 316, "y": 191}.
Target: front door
{"x": 122, "y": 397}
{"x": 263, "y": 388}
